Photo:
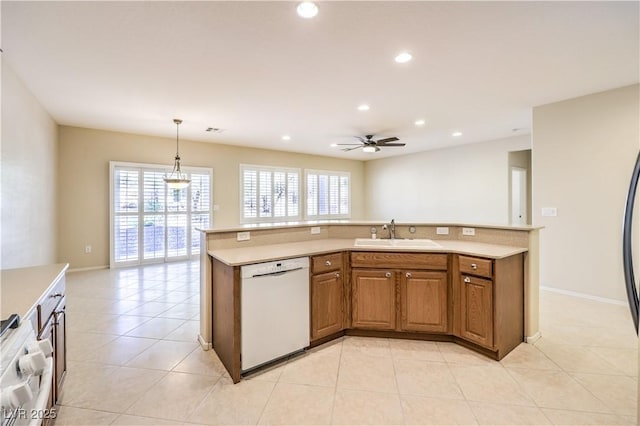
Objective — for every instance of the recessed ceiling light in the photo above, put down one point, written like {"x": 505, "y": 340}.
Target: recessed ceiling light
{"x": 456, "y": 134}
{"x": 363, "y": 107}
{"x": 419, "y": 122}
{"x": 403, "y": 57}
{"x": 307, "y": 9}
{"x": 333, "y": 145}
{"x": 286, "y": 138}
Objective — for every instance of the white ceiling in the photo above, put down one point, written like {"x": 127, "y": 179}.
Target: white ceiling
{"x": 259, "y": 71}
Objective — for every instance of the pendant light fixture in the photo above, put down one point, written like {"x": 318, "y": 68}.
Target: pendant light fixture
{"x": 177, "y": 179}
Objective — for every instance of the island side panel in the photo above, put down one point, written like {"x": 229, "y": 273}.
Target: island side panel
{"x": 225, "y": 292}
{"x": 508, "y": 303}
{"x": 204, "y": 338}
{"x": 532, "y": 288}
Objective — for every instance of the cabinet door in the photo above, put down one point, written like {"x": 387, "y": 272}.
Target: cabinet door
{"x": 423, "y": 296}
{"x": 476, "y": 305}
{"x": 60, "y": 347}
{"x": 326, "y": 304}
{"x": 373, "y": 299}
{"x": 48, "y": 332}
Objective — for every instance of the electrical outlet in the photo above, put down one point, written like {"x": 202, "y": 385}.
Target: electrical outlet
{"x": 87, "y": 249}
{"x": 315, "y": 230}
{"x": 216, "y": 207}
{"x": 549, "y": 211}
{"x": 243, "y": 236}
{"x": 468, "y": 231}
{"x": 442, "y": 230}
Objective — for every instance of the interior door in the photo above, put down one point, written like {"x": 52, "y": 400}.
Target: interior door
{"x": 518, "y": 196}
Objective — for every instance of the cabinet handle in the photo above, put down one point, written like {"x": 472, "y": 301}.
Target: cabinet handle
{"x": 387, "y": 274}
{"x": 474, "y": 266}
{"x": 408, "y": 274}
{"x": 327, "y": 263}
{"x": 467, "y": 279}
{"x": 337, "y": 275}
{"x": 54, "y": 295}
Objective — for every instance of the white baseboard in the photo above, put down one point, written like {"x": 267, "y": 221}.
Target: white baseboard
{"x": 89, "y": 268}
{"x": 203, "y": 343}
{"x": 584, "y": 296}
{"x": 534, "y": 338}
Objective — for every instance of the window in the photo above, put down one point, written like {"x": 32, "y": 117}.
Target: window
{"x": 151, "y": 223}
{"x": 328, "y": 194}
{"x": 269, "y": 194}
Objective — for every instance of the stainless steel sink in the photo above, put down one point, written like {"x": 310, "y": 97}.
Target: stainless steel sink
{"x": 396, "y": 243}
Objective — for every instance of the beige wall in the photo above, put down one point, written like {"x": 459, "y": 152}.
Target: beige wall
{"x": 584, "y": 150}
{"x": 84, "y": 181}
{"x": 467, "y": 183}
{"x": 28, "y": 190}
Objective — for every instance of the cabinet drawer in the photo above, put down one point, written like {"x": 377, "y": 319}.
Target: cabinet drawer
{"x": 49, "y": 302}
{"x": 399, "y": 260}
{"x": 326, "y": 263}
{"x": 476, "y": 266}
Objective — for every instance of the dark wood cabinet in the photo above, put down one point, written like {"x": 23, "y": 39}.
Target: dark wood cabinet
{"x": 60, "y": 346}
{"x": 424, "y": 301}
{"x": 373, "y": 294}
{"x": 51, "y": 322}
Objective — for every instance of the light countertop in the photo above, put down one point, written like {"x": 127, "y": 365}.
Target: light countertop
{"x": 22, "y": 288}
{"x": 265, "y": 253}
{"x": 306, "y": 223}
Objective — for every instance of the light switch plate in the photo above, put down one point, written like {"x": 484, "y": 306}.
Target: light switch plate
{"x": 550, "y": 211}
{"x": 243, "y": 236}
{"x": 468, "y": 231}
{"x": 315, "y": 230}
{"x": 442, "y": 230}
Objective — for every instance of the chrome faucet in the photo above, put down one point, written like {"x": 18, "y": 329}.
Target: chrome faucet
{"x": 392, "y": 229}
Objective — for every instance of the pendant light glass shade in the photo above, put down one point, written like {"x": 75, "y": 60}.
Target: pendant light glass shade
{"x": 177, "y": 179}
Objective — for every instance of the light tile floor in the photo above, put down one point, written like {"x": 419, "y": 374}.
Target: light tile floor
{"x": 133, "y": 360}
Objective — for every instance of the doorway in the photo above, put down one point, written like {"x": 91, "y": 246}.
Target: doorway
{"x": 519, "y": 196}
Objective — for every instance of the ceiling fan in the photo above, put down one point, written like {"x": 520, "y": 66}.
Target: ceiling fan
{"x": 369, "y": 145}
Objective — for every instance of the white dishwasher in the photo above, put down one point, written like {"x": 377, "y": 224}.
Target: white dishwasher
{"x": 274, "y": 320}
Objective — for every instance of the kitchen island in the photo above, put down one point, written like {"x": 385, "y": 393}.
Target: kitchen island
{"x": 468, "y": 289}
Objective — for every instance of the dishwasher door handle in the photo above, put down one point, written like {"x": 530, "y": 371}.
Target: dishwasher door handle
{"x": 276, "y": 274}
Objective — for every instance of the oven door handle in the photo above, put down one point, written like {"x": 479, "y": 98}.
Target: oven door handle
{"x": 40, "y": 404}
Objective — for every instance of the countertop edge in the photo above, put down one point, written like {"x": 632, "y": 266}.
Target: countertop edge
{"x": 304, "y": 224}
{"x": 292, "y": 250}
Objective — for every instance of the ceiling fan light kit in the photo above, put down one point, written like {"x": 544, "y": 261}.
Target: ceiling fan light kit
{"x": 177, "y": 179}
{"x": 369, "y": 145}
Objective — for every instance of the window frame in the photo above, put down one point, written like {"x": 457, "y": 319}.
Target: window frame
{"x": 272, "y": 170}
{"x": 339, "y": 174}
{"x": 140, "y": 213}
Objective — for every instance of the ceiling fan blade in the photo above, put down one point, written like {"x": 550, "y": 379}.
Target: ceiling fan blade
{"x": 384, "y": 141}
{"x": 351, "y": 149}
{"x": 339, "y": 144}
{"x": 392, "y": 144}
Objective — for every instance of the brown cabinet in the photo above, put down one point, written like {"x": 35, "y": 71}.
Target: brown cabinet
{"x": 476, "y": 310}
{"x": 490, "y": 302}
{"x": 60, "y": 346}
{"x": 373, "y": 299}
{"x": 327, "y": 295}
{"x": 400, "y": 291}
{"x": 424, "y": 301}
{"x": 51, "y": 324}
